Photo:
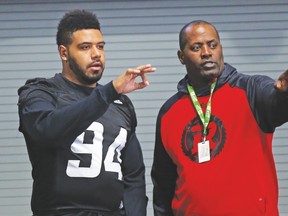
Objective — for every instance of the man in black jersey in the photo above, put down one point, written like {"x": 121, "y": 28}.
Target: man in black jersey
{"x": 80, "y": 135}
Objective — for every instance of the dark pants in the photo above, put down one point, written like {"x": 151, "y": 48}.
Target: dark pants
{"x": 82, "y": 213}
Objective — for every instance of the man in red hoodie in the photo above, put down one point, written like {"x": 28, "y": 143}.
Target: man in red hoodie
{"x": 213, "y": 150}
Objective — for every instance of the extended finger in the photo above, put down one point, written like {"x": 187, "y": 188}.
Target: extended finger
{"x": 146, "y": 68}
{"x": 143, "y": 67}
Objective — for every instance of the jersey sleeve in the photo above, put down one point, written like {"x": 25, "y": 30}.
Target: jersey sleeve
{"x": 42, "y": 119}
{"x": 133, "y": 169}
{"x": 135, "y": 200}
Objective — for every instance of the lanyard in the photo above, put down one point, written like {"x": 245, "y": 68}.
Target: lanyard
{"x": 205, "y": 119}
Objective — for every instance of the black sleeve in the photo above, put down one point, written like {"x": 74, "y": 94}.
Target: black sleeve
{"x": 42, "y": 120}
{"x": 268, "y": 105}
{"x": 135, "y": 200}
{"x": 164, "y": 176}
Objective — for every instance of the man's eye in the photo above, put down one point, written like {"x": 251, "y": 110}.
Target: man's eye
{"x": 100, "y": 46}
{"x": 85, "y": 47}
{"x": 195, "y": 48}
{"x": 213, "y": 45}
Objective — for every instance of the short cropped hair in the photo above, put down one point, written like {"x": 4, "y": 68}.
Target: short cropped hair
{"x": 182, "y": 35}
{"x": 73, "y": 21}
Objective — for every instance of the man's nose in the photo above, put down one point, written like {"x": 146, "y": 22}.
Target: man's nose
{"x": 206, "y": 52}
{"x": 95, "y": 53}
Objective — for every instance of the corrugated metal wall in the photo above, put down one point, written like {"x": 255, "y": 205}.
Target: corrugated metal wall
{"x": 254, "y": 37}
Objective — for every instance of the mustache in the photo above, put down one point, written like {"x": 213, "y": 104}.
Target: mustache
{"x": 95, "y": 63}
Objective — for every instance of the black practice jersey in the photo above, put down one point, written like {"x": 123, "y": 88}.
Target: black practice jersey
{"x": 83, "y": 148}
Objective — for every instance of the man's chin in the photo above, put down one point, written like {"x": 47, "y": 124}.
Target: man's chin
{"x": 90, "y": 80}
{"x": 95, "y": 77}
{"x": 212, "y": 74}
{"x": 93, "y": 80}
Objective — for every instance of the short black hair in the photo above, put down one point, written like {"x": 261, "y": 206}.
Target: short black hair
{"x": 73, "y": 21}
{"x": 182, "y": 35}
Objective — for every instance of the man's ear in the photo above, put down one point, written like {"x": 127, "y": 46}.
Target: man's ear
{"x": 181, "y": 56}
{"x": 62, "y": 52}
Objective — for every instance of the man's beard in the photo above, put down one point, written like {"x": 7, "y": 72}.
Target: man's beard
{"x": 80, "y": 73}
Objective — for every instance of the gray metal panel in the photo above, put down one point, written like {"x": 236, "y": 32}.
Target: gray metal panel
{"x": 254, "y": 37}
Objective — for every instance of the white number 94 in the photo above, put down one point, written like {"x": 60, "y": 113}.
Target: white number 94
{"x": 95, "y": 149}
